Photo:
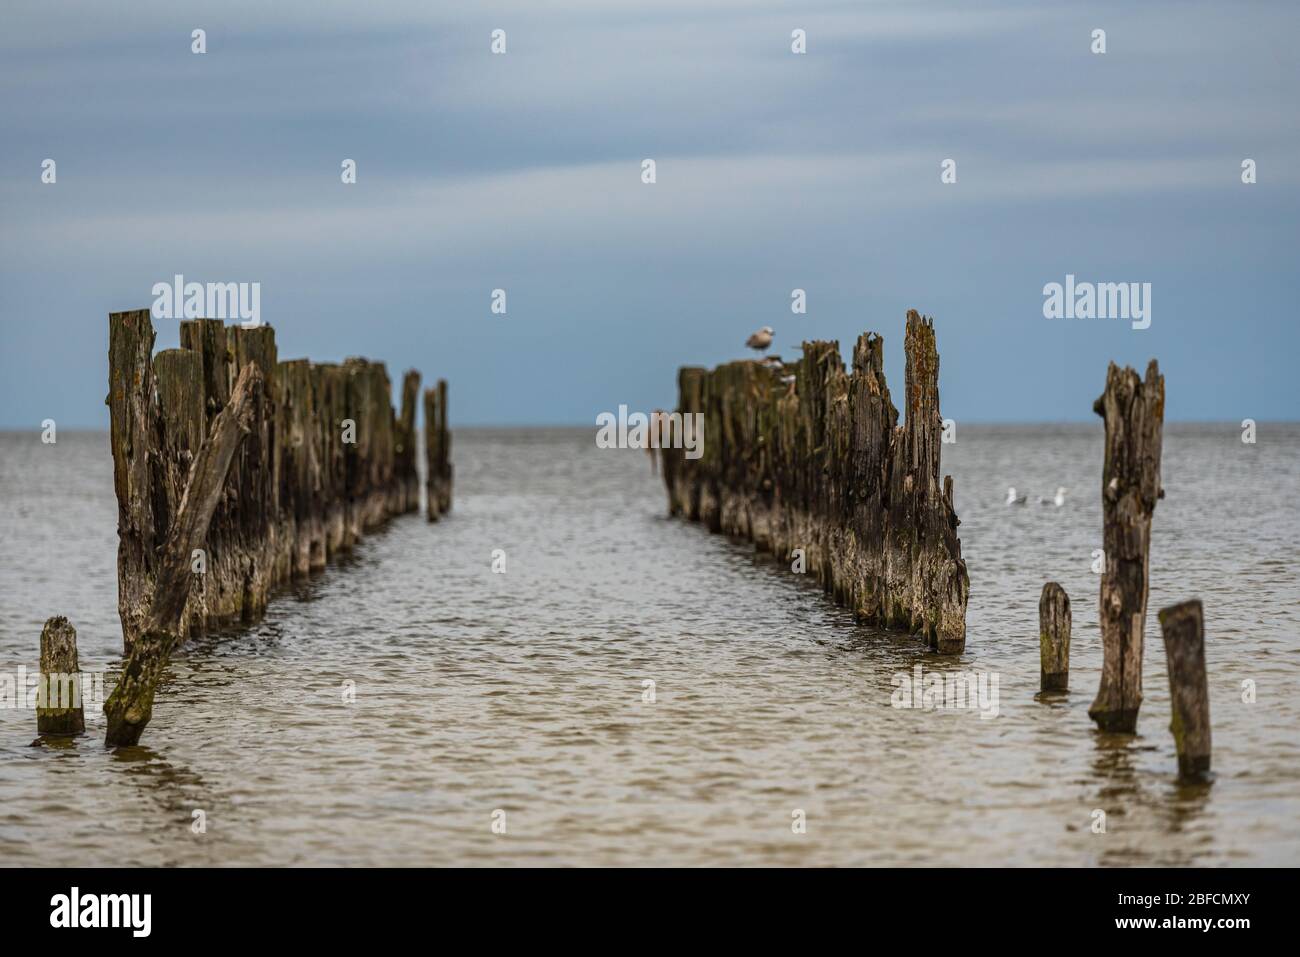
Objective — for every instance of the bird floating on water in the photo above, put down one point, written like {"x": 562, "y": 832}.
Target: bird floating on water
{"x": 761, "y": 339}
{"x": 1013, "y": 499}
{"x": 1058, "y": 500}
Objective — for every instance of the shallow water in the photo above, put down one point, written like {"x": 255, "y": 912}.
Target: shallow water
{"x": 523, "y": 691}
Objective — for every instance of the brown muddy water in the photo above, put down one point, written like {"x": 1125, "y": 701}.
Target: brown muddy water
{"x": 523, "y": 692}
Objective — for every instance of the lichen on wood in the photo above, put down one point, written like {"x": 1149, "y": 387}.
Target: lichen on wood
{"x": 805, "y": 457}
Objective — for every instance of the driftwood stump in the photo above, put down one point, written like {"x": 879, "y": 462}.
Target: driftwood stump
{"x": 58, "y": 699}
{"x": 1133, "y": 410}
{"x": 1054, "y": 638}
{"x": 1183, "y": 627}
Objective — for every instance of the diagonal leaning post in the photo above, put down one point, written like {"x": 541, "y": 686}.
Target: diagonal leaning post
{"x": 1134, "y": 411}
{"x": 130, "y": 706}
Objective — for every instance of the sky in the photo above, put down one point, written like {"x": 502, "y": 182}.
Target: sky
{"x": 774, "y": 170}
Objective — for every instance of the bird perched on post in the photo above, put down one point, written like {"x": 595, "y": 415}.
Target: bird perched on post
{"x": 761, "y": 339}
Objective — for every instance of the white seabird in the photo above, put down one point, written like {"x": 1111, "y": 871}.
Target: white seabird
{"x": 1058, "y": 500}
{"x": 1013, "y": 499}
{"x": 761, "y": 339}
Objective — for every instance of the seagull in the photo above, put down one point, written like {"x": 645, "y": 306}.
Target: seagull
{"x": 1012, "y": 499}
{"x": 1058, "y": 500}
{"x": 761, "y": 339}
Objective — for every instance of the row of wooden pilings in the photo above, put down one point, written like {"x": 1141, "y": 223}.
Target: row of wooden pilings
{"x": 806, "y": 459}
{"x": 806, "y": 456}
{"x": 236, "y": 473}
{"x": 1133, "y": 411}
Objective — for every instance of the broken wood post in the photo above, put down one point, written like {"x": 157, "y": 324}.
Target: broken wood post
{"x": 130, "y": 706}
{"x": 806, "y": 456}
{"x": 1183, "y": 627}
{"x": 437, "y": 452}
{"x": 58, "y": 697}
{"x": 1054, "y": 638}
{"x": 1133, "y": 410}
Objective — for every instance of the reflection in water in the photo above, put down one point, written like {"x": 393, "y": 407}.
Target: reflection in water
{"x": 524, "y": 692}
{"x": 1137, "y": 802}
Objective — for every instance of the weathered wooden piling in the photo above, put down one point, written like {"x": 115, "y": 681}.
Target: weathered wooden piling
{"x": 437, "y": 452}
{"x": 1054, "y": 638}
{"x": 59, "y": 708}
{"x": 407, "y": 492}
{"x": 1183, "y": 627}
{"x": 324, "y": 459}
{"x": 804, "y": 456}
{"x": 1133, "y": 410}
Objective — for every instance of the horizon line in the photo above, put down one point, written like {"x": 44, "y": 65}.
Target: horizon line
{"x": 982, "y": 423}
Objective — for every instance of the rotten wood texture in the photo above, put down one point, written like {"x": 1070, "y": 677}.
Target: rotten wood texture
{"x": 802, "y": 456}
{"x": 437, "y": 452}
{"x": 1134, "y": 411}
{"x": 59, "y": 708}
{"x": 1183, "y": 627}
{"x": 1054, "y": 638}
{"x": 130, "y": 706}
{"x": 325, "y": 460}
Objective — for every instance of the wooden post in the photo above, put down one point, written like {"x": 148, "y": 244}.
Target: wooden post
{"x": 130, "y": 706}
{"x": 1134, "y": 411}
{"x": 58, "y": 700}
{"x": 1183, "y": 627}
{"x": 408, "y": 478}
{"x": 444, "y": 450}
{"x": 1054, "y": 638}
{"x": 437, "y": 452}
{"x": 132, "y": 405}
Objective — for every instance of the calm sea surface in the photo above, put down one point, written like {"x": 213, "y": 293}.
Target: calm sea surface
{"x": 523, "y": 692}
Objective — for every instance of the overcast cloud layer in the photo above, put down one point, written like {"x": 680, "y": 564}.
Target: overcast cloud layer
{"x": 775, "y": 171}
